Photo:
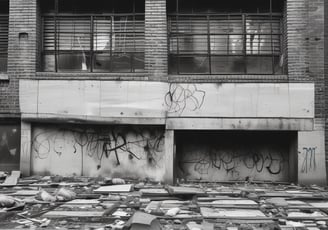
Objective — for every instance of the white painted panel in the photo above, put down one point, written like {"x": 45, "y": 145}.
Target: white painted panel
{"x": 140, "y": 99}
{"x": 50, "y": 149}
{"x": 69, "y": 97}
{"x": 132, "y": 99}
{"x": 132, "y": 152}
{"x": 311, "y": 158}
{"x": 241, "y": 100}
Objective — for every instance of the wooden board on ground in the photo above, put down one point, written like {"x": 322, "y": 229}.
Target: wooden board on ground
{"x": 323, "y": 205}
{"x": 58, "y": 214}
{"x": 12, "y": 179}
{"x": 154, "y": 192}
{"x": 231, "y": 213}
{"x": 114, "y": 189}
{"x": 82, "y": 202}
{"x": 185, "y": 190}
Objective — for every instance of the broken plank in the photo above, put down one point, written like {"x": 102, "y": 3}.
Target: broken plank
{"x": 57, "y": 214}
{"x": 114, "y": 189}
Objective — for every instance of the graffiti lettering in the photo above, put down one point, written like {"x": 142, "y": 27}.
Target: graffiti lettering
{"x": 100, "y": 143}
{"x": 182, "y": 97}
{"x": 309, "y": 161}
{"x": 233, "y": 162}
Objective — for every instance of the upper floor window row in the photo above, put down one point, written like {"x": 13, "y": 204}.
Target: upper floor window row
{"x": 4, "y": 18}
{"x": 104, "y": 37}
{"x": 226, "y": 37}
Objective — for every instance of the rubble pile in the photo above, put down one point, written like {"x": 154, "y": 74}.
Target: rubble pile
{"x": 104, "y": 203}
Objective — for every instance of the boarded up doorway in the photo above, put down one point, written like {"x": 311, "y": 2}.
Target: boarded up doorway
{"x": 236, "y": 156}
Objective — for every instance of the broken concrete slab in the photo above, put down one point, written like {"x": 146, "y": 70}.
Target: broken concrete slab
{"x": 12, "y": 179}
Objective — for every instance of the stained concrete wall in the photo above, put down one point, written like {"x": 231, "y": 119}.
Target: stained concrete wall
{"x": 311, "y": 158}
{"x": 230, "y": 156}
{"x": 135, "y": 152}
{"x": 83, "y": 99}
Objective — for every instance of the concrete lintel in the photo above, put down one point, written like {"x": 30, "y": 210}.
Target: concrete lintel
{"x": 278, "y": 124}
{"x": 56, "y": 118}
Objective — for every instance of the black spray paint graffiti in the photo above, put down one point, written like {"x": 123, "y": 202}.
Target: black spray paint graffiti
{"x": 100, "y": 143}
{"x": 182, "y": 97}
{"x": 232, "y": 162}
{"x": 309, "y": 161}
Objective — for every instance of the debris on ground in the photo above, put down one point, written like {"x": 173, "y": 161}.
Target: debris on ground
{"x": 56, "y": 202}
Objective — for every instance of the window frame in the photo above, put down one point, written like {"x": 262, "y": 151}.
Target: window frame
{"x": 4, "y": 18}
{"x": 92, "y": 52}
{"x": 245, "y": 56}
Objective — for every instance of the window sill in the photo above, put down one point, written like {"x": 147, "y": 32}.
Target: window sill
{"x": 4, "y": 77}
{"x": 142, "y": 76}
{"x": 227, "y": 78}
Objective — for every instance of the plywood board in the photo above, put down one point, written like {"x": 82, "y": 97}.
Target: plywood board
{"x": 57, "y": 214}
{"x": 323, "y": 205}
{"x": 230, "y": 213}
{"x": 114, "y": 189}
{"x": 234, "y": 202}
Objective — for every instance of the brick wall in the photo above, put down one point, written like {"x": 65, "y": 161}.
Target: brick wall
{"x": 21, "y": 52}
{"x": 326, "y": 76}
{"x": 297, "y": 42}
{"x": 156, "y": 37}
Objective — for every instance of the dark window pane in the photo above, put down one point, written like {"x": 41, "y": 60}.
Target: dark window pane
{"x": 48, "y": 62}
{"x": 3, "y": 42}
{"x": 4, "y": 6}
{"x": 121, "y": 62}
{"x": 101, "y": 63}
{"x": 259, "y": 65}
{"x": 138, "y": 62}
{"x": 227, "y": 65}
{"x": 73, "y": 62}
{"x": 3, "y": 63}
{"x": 279, "y": 65}
{"x": 196, "y": 64}
{"x": 173, "y": 64}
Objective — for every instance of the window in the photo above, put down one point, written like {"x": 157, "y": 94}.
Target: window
{"x": 3, "y": 35}
{"x": 87, "y": 39}
{"x": 204, "y": 40}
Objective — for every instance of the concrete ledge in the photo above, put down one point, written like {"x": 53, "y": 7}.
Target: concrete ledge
{"x": 62, "y": 118}
{"x": 240, "y": 124}
{"x": 142, "y": 76}
{"x": 198, "y": 78}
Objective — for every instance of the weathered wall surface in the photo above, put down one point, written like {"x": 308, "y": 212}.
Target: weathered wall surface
{"x": 230, "y": 156}
{"x": 159, "y": 100}
{"x": 311, "y": 157}
{"x": 135, "y": 152}
{"x": 9, "y": 147}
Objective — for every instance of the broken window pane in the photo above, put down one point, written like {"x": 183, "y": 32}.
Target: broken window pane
{"x": 94, "y": 42}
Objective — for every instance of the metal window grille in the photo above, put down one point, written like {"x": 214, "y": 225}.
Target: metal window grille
{"x": 238, "y": 43}
{"x": 3, "y": 42}
{"x": 93, "y": 42}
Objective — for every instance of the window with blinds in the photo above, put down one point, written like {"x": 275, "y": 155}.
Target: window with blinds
{"x": 93, "y": 42}
{"x": 3, "y": 42}
{"x": 221, "y": 43}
